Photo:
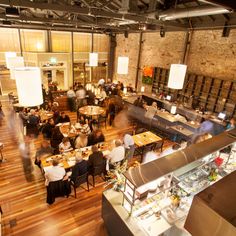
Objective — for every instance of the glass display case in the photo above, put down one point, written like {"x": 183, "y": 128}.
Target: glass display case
{"x": 158, "y": 204}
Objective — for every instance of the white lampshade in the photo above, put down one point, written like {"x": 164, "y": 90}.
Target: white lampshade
{"x": 9, "y": 55}
{"x": 125, "y": 90}
{"x": 142, "y": 89}
{"x": 123, "y": 65}
{"x": 93, "y": 59}
{"x": 177, "y": 76}
{"x": 28, "y": 84}
{"x": 173, "y": 109}
{"x": 15, "y": 62}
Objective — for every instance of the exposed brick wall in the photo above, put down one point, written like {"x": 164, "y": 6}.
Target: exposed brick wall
{"x": 210, "y": 54}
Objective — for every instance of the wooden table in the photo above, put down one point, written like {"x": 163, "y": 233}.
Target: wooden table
{"x": 145, "y": 138}
{"x": 46, "y": 115}
{"x": 67, "y": 160}
{"x": 91, "y": 110}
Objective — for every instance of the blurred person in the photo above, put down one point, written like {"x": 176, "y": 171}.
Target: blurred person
{"x": 151, "y": 111}
{"x": 56, "y": 139}
{"x": 45, "y": 150}
{"x": 1, "y": 114}
{"x": 138, "y": 102}
{"x": 84, "y": 127}
{"x": 23, "y": 115}
{"x": 25, "y": 148}
{"x": 71, "y": 98}
{"x": 80, "y": 96}
{"x": 101, "y": 82}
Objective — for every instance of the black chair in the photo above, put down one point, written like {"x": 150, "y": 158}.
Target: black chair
{"x": 158, "y": 145}
{"x": 80, "y": 180}
{"x": 97, "y": 170}
{"x": 140, "y": 130}
{"x": 59, "y": 188}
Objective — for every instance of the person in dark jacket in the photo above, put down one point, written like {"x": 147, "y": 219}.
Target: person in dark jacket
{"x": 62, "y": 118}
{"x": 48, "y": 128}
{"x": 80, "y": 168}
{"x": 56, "y": 139}
{"x": 96, "y": 137}
{"x": 96, "y": 158}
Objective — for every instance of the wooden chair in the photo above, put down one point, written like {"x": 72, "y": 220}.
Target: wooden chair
{"x": 80, "y": 180}
{"x": 158, "y": 145}
{"x": 97, "y": 170}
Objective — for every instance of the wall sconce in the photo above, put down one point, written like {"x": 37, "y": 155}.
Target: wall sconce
{"x": 142, "y": 89}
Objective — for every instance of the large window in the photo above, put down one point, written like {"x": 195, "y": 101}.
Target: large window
{"x": 9, "y": 40}
{"x": 61, "y": 41}
{"x": 100, "y": 43}
{"x": 82, "y": 42}
{"x": 33, "y": 40}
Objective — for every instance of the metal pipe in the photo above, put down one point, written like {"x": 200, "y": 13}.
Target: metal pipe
{"x": 192, "y": 12}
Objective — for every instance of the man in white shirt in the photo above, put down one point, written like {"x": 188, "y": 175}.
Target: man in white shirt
{"x": 129, "y": 145}
{"x": 55, "y": 173}
{"x": 118, "y": 153}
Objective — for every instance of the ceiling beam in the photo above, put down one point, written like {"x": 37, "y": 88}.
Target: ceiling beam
{"x": 87, "y": 11}
{"x": 226, "y": 3}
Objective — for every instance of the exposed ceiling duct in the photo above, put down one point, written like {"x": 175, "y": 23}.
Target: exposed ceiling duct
{"x": 192, "y": 12}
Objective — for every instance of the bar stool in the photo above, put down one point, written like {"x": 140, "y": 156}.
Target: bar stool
{"x": 1, "y": 155}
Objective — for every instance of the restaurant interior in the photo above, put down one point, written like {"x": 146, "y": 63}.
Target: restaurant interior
{"x": 117, "y": 117}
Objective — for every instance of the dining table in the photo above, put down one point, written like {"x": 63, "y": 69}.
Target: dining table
{"x": 91, "y": 110}
{"x": 145, "y": 138}
{"x": 68, "y": 159}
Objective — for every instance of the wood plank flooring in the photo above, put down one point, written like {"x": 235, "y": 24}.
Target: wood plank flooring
{"x": 25, "y": 211}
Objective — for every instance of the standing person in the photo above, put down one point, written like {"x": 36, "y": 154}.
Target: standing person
{"x": 129, "y": 146}
{"x": 44, "y": 151}
{"x": 151, "y": 111}
{"x": 71, "y": 99}
{"x": 80, "y": 98}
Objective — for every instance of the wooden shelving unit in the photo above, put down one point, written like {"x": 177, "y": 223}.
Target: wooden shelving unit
{"x": 213, "y": 94}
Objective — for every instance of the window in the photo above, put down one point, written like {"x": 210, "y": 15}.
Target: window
{"x": 61, "y": 41}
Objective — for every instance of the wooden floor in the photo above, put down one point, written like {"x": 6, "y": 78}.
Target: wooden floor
{"x": 23, "y": 200}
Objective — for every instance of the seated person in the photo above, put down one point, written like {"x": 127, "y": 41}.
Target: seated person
{"x": 96, "y": 137}
{"x": 96, "y": 158}
{"x": 117, "y": 154}
{"x": 48, "y": 128}
{"x": 44, "y": 151}
{"x": 55, "y": 173}
{"x": 56, "y": 138}
{"x": 85, "y": 129}
{"x": 65, "y": 145}
{"x": 80, "y": 168}
{"x": 102, "y": 95}
{"x": 151, "y": 110}
{"x": 231, "y": 124}
{"x": 81, "y": 141}
{"x": 62, "y": 118}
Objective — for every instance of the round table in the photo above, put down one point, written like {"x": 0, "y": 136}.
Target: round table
{"x": 91, "y": 110}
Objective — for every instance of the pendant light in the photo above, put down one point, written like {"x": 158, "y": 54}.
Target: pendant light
{"x": 177, "y": 76}
{"x": 93, "y": 59}
{"x": 123, "y": 65}
{"x": 15, "y": 62}
{"x": 9, "y": 55}
{"x": 29, "y": 86}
